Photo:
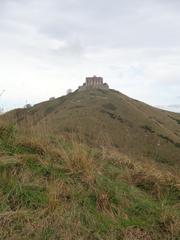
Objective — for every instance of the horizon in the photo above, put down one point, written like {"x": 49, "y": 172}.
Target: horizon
{"x": 171, "y": 108}
{"x": 50, "y": 46}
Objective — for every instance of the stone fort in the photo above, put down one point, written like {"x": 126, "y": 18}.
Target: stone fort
{"x": 94, "y": 83}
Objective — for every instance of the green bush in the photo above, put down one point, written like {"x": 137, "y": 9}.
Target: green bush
{"x": 7, "y": 133}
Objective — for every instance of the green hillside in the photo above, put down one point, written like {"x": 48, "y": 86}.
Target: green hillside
{"x": 93, "y": 165}
{"x": 108, "y": 118}
{"x": 62, "y": 189}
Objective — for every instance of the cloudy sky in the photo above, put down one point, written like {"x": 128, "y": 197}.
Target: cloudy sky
{"x": 48, "y": 46}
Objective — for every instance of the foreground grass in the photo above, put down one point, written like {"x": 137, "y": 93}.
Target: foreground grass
{"x": 63, "y": 189}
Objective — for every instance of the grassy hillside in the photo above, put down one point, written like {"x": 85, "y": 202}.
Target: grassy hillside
{"x": 103, "y": 118}
{"x": 55, "y": 187}
{"x": 90, "y": 165}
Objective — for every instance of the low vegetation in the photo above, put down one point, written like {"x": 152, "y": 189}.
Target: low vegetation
{"x": 58, "y": 187}
{"x": 104, "y": 117}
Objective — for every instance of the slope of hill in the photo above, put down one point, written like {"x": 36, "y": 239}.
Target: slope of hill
{"x": 57, "y": 188}
{"x": 105, "y": 118}
{"x": 90, "y": 165}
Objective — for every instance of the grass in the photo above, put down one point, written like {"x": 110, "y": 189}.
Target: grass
{"x": 21, "y": 196}
{"x": 64, "y": 189}
{"x": 103, "y": 117}
{"x": 111, "y": 179}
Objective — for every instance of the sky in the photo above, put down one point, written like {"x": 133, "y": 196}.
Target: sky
{"x": 49, "y": 46}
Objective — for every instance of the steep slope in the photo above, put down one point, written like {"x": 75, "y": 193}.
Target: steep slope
{"x": 105, "y": 118}
{"x": 62, "y": 189}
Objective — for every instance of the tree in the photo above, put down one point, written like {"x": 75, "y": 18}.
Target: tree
{"x": 27, "y": 106}
{"x": 69, "y": 91}
{"x": 52, "y": 98}
{"x": 1, "y": 108}
{"x": 2, "y": 93}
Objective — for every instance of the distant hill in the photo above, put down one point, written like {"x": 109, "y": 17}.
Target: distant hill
{"x": 108, "y": 117}
{"x": 172, "y": 108}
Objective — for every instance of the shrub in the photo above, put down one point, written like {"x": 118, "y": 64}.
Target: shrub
{"x": 109, "y": 106}
{"x": 30, "y": 147}
{"x": 7, "y": 133}
{"x": 148, "y": 129}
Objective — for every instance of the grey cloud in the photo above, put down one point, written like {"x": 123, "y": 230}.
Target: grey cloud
{"x": 133, "y": 42}
{"x": 131, "y": 23}
{"x": 172, "y": 108}
{"x": 71, "y": 51}
{"x": 174, "y": 105}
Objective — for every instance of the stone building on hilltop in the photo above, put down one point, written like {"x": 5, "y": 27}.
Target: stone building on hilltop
{"x": 94, "y": 83}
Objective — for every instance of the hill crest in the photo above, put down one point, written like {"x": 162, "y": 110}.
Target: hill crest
{"x": 105, "y": 117}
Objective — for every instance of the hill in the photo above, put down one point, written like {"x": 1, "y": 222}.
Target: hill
{"x": 91, "y": 165}
{"x": 107, "y": 117}
{"x": 57, "y": 188}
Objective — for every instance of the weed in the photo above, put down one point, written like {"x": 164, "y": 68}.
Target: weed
{"x": 109, "y": 106}
{"x": 148, "y": 129}
{"x": 7, "y": 133}
{"x": 19, "y": 196}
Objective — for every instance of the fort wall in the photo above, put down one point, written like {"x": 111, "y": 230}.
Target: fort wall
{"x": 94, "y": 82}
